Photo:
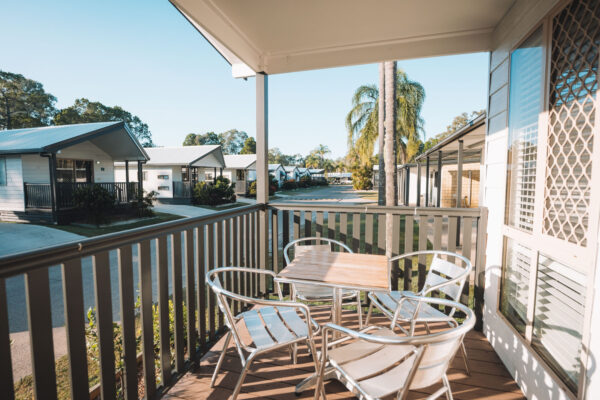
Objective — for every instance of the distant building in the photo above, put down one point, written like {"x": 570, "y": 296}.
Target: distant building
{"x": 240, "y": 169}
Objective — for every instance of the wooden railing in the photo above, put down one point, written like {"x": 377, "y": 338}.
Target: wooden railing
{"x": 173, "y": 256}
{"x": 38, "y": 195}
{"x": 362, "y": 228}
{"x": 182, "y": 190}
{"x": 171, "y": 260}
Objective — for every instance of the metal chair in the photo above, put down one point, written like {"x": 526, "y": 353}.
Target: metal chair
{"x": 444, "y": 276}
{"x": 380, "y": 363}
{"x": 275, "y": 325}
{"x": 316, "y": 293}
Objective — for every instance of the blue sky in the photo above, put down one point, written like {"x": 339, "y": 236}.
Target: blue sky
{"x": 146, "y": 58}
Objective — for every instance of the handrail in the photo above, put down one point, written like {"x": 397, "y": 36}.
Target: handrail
{"x": 375, "y": 209}
{"x": 20, "y": 263}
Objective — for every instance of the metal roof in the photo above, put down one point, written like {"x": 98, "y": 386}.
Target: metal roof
{"x": 472, "y": 135}
{"x": 316, "y": 170}
{"x": 112, "y": 137}
{"x": 195, "y": 156}
{"x": 290, "y": 168}
{"x": 273, "y": 167}
{"x": 240, "y": 161}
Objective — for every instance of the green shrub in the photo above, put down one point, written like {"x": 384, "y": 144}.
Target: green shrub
{"x": 304, "y": 181}
{"x": 362, "y": 177}
{"x": 96, "y": 202}
{"x": 272, "y": 187}
{"x": 145, "y": 203}
{"x": 209, "y": 194}
{"x": 290, "y": 185}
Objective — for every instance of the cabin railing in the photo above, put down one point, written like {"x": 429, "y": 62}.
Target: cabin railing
{"x": 39, "y": 195}
{"x": 163, "y": 267}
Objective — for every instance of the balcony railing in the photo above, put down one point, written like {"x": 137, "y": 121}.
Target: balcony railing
{"x": 39, "y": 195}
{"x": 170, "y": 261}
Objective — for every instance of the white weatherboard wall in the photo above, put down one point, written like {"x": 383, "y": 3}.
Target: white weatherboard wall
{"x": 11, "y": 195}
{"x": 152, "y": 173}
{"x": 524, "y": 365}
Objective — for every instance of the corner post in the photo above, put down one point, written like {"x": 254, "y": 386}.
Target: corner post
{"x": 140, "y": 181}
{"x": 262, "y": 169}
{"x": 53, "y": 190}
{"x": 407, "y": 190}
{"x": 459, "y": 173}
{"x": 127, "y": 179}
{"x": 439, "y": 180}
{"x": 427, "y": 183}
{"x": 418, "y": 184}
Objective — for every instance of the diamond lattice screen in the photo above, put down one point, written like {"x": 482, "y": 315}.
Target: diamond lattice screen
{"x": 573, "y": 86}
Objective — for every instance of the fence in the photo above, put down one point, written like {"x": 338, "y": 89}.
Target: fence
{"x": 39, "y": 195}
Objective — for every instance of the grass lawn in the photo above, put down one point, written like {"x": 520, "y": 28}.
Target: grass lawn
{"x": 93, "y": 231}
{"x": 294, "y": 192}
{"x": 223, "y": 207}
{"x": 368, "y": 195}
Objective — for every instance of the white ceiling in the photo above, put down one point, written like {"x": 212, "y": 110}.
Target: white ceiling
{"x": 277, "y": 36}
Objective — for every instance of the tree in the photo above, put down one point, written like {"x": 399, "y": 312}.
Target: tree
{"x": 316, "y": 158}
{"x": 233, "y": 141}
{"x": 208, "y": 138}
{"x": 362, "y": 121}
{"x": 249, "y": 146}
{"x": 23, "y": 102}
{"x": 85, "y": 111}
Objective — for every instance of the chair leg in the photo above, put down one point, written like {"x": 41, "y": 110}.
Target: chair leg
{"x": 319, "y": 387}
{"x": 448, "y": 389}
{"x": 295, "y": 353}
{"x": 243, "y": 373}
{"x": 359, "y": 310}
{"x": 369, "y": 314}
{"x": 220, "y": 361}
{"x": 465, "y": 360}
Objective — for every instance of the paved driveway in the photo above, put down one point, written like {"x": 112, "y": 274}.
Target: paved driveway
{"x": 17, "y": 238}
{"x": 325, "y": 194}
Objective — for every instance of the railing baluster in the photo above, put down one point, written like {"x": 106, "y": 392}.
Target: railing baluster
{"x": 467, "y": 227}
{"x": 437, "y": 232}
{"x": 219, "y": 249}
{"x": 409, "y": 226}
{"x": 452, "y": 223}
{"x": 308, "y": 223}
{"x": 331, "y": 220}
{"x": 190, "y": 292}
{"x": 246, "y": 242}
{"x": 296, "y": 225}
{"x": 423, "y": 223}
{"x": 356, "y": 232}
{"x": 177, "y": 299}
{"x": 75, "y": 328}
{"x": 369, "y": 233}
{"x": 40, "y": 334}
{"x": 319, "y": 226}
{"x": 395, "y": 248}
{"x": 381, "y": 233}
{"x": 201, "y": 261}
{"x": 235, "y": 260}
{"x": 275, "y": 241}
{"x": 163, "y": 309}
{"x": 128, "y": 322}
{"x": 145, "y": 277}
{"x": 101, "y": 266}
{"x": 344, "y": 228}
{"x": 285, "y": 233}
{"x": 6, "y": 377}
{"x": 255, "y": 250}
{"x": 211, "y": 265}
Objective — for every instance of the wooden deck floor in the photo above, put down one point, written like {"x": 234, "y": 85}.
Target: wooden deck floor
{"x": 274, "y": 377}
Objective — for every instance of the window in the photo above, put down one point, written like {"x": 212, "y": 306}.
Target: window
{"x": 3, "y": 179}
{"x": 525, "y": 100}
{"x": 239, "y": 175}
{"x": 185, "y": 174}
{"x": 71, "y": 171}
{"x": 163, "y": 177}
{"x": 164, "y": 188}
{"x": 515, "y": 283}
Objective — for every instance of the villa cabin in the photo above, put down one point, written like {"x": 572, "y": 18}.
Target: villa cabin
{"x": 240, "y": 169}
{"x": 292, "y": 172}
{"x": 172, "y": 172}
{"x": 41, "y": 167}
{"x": 279, "y": 172}
{"x": 303, "y": 172}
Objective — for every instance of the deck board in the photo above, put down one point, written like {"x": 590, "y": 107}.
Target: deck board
{"x": 274, "y": 377}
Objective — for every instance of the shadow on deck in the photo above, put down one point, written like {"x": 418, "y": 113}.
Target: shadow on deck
{"x": 274, "y": 377}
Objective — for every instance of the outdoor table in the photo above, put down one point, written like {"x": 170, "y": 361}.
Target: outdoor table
{"x": 364, "y": 272}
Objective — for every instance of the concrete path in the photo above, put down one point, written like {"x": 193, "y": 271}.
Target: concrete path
{"x": 17, "y": 238}
{"x": 183, "y": 209}
{"x": 326, "y": 194}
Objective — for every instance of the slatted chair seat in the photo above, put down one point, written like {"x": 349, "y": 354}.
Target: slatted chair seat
{"x": 271, "y": 324}
{"x": 426, "y": 312}
{"x": 380, "y": 363}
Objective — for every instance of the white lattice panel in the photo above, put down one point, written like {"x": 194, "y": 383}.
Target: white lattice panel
{"x": 573, "y": 87}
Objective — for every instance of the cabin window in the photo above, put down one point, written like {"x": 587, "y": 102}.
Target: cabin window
{"x": 73, "y": 171}
{"x": 164, "y": 188}
{"x": 163, "y": 177}
{"x": 239, "y": 175}
{"x": 185, "y": 174}
{"x": 3, "y": 179}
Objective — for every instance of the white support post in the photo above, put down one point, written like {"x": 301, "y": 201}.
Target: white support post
{"x": 262, "y": 170}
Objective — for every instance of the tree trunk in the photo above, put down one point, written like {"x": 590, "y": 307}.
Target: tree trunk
{"x": 381, "y": 129}
{"x": 390, "y": 159}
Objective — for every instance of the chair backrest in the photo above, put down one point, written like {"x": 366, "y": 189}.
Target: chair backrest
{"x": 299, "y": 249}
{"x": 442, "y": 271}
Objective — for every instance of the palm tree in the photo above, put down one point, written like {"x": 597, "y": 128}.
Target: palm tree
{"x": 362, "y": 121}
